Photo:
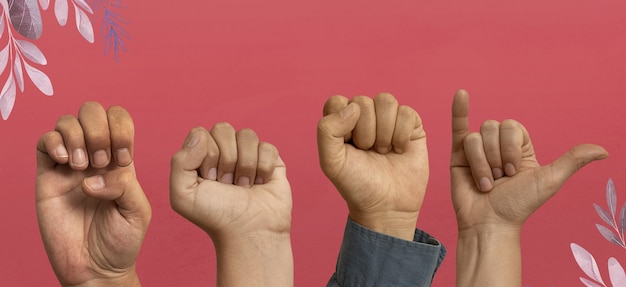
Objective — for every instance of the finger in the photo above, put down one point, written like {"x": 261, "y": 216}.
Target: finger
{"x": 93, "y": 120}
{"x": 490, "y": 132}
{"x": 268, "y": 161}
{"x": 122, "y": 132}
{"x": 121, "y": 186}
{"x": 73, "y": 137}
{"x": 407, "y": 121}
{"x": 333, "y": 105}
{"x": 364, "y": 133}
{"x": 224, "y": 136}
{"x": 247, "y": 157}
{"x": 554, "y": 175}
{"x": 460, "y": 123}
{"x": 208, "y": 168}
{"x": 330, "y": 132}
{"x": 474, "y": 150}
{"x": 511, "y": 143}
{"x": 386, "y": 107}
{"x": 51, "y": 151}
{"x": 185, "y": 163}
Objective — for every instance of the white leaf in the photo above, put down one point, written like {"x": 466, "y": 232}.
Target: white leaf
{"x": 616, "y": 273}
{"x": 41, "y": 80}
{"x": 7, "y": 97}
{"x": 82, "y": 4}
{"x": 590, "y": 283}
{"x": 19, "y": 75}
{"x": 84, "y": 24}
{"x": 2, "y": 24}
{"x": 4, "y": 58}
{"x": 44, "y": 4}
{"x": 5, "y": 5}
{"x": 586, "y": 262}
{"x": 31, "y": 52}
{"x": 60, "y": 10}
{"x": 611, "y": 197}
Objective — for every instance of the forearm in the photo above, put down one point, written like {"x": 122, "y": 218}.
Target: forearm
{"x": 255, "y": 260}
{"x": 489, "y": 257}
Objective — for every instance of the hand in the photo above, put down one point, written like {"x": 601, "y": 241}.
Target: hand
{"x": 93, "y": 214}
{"x": 374, "y": 152}
{"x": 235, "y": 188}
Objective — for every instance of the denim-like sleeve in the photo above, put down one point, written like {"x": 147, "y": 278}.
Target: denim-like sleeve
{"x": 369, "y": 258}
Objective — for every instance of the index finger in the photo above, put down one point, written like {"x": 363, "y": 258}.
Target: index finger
{"x": 460, "y": 122}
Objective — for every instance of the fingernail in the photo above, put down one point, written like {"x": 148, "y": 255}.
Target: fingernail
{"x": 78, "y": 158}
{"x": 194, "y": 140}
{"x": 100, "y": 158}
{"x": 243, "y": 181}
{"x": 347, "y": 111}
{"x": 497, "y": 172}
{"x": 383, "y": 149}
{"x": 509, "y": 168}
{"x": 227, "y": 178}
{"x": 61, "y": 152}
{"x": 485, "y": 184}
{"x": 258, "y": 180}
{"x": 95, "y": 183}
{"x": 397, "y": 150}
{"x": 212, "y": 174}
{"x": 123, "y": 157}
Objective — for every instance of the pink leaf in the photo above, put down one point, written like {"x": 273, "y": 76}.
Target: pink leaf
{"x": 590, "y": 283}
{"x": 41, "y": 80}
{"x": 60, "y": 10}
{"x": 7, "y": 97}
{"x": 19, "y": 75}
{"x": 616, "y": 273}
{"x": 44, "y": 4}
{"x": 84, "y": 25}
{"x": 83, "y": 5}
{"x": 4, "y": 58}
{"x": 586, "y": 262}
{"x": 31, "y": 52}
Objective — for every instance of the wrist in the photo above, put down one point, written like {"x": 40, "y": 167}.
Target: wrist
{"x": 396, "y": 224}
{"x": 125, "y": 279}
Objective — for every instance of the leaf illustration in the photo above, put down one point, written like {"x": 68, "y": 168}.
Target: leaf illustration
{"x": 19, "y": 76}
{"x": 586, "y": 262}
{"x": 31, "y": 52}
{"x": 60, "y": 11}
{"x": 26, "y": 18}
{"x": 611, "y": 197}
{"x": 44, "y": 4}
{"x": 616, "y": 273}
{"x": 83, "y": 5}
{"x": 622, "y": 220}
{"x": 41, "y": 80}
{"x": 590, "y": 283}
{"x": 609, "y": 235}
{"x": 7, "y": 97}
{"x": 604, "y": 215}
{"x": 84, "y": 25}
{"x": 2, "y": 24}
{"x": 4, "y": 58}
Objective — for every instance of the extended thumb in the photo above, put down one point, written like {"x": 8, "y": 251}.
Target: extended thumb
{"x": 330, "y": 135}
{"x": 573, "y": 160}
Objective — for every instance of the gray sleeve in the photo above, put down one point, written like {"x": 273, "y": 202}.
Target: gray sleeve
{"x": 369, "y": 258}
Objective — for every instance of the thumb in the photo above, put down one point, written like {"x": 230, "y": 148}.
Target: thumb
{"x": 185, "y": 164}
{"x": 330, "y": 137}
{"x": 559, "y": 171}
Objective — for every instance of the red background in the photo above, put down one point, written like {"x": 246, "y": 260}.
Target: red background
{"x": 557, "y": 66}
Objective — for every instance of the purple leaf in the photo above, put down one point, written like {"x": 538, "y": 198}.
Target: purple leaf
{"x": 44, "y": 4}
{"x": 83, "y": 5}
{"x": 26, "y": 18}
{"x": 605, "y": 215}
{"x": 611, "y": 197}
{"x": 616, "y": 273}
{"x": 31, "y": 52}
{"x": 41, "y": 80}
{"x": 4, "y": 58}
{"x": 60, "y": 11}
{"x": 609, "y": 235}
{"x": 586, "y": 262}
{"x": 622, "y": 220}
{"x": 19, "y": 76}
{"x": 84, "y": 25}
{"x": 590, "y": 283}
{"x": 7, "y": 97}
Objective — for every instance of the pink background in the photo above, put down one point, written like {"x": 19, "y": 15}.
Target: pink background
{"x": 557, "y": 66}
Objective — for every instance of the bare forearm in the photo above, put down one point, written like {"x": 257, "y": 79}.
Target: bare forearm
{"x": 489, "y": 257}
{"x": 255, "y": 260}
